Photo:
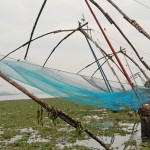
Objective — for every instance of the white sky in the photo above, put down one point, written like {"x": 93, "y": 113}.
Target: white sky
{"x": 17, "y": 18}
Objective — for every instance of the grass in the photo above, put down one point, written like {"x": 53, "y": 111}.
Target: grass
{"x": 20, "y": 114}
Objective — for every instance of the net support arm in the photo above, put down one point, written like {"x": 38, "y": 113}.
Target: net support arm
{"x": 62, "y": 41}
{"x": 36, "y": 21}
{"x": 121, "y": 32}
{"x": 131, "y": 21}
{"x": 111, "y": 47}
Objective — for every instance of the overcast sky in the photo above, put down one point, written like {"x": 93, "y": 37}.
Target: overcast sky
{"x": 17, "y": 18}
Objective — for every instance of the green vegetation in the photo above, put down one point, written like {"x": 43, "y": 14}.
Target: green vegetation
{"x": 19, "y": 128}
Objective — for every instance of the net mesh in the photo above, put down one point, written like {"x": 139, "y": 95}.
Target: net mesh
{"x": 78, "y": 88}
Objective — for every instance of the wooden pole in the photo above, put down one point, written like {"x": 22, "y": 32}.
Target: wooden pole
{"x": 121, "y": 32}
{"x": 62, "y": 41}
{"x": 36, "y": 21}
{"x": 100, "y": 68}
{"x": 56, "y": 112}
{"x": 38, "y": 37}
{"x": 116, "y": 56}
{"x": 105, "y": 56}
{"x": 131, "y": 21}
{"x": 144, "y": 112}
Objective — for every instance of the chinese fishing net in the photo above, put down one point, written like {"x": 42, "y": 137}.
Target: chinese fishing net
{"x": 78, "y": 88}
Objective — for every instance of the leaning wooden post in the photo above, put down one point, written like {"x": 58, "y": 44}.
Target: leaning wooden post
{"x": 55, "y": 112}
{"x": 144, "y": 113}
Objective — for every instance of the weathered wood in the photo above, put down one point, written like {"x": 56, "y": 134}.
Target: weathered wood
{"x": 147, "y": 83}
{"x": 131, "y": 21}
{"x": 105, "y": 55}
{"x": 144, "y": 113}
{"x": 63, "y": 40}
{"x": 121, "y": 32}
{"x": 38, "y": 37}
{"x": 36, "y": 21}
{"x": 95, "y": 138}
{"x": 113, "y": 51}
{"x": 100, "y": 68}
{"x": 55, "y": 112}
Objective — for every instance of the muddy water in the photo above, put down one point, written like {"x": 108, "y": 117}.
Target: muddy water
{"x": 116, "y": 141}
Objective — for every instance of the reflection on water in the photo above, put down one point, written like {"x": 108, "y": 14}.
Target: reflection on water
{"x": 116, "y": 141}
{"x": 18, "y": 95}
{"x": 34, "y": 137}
{"x": 3, "y": 93}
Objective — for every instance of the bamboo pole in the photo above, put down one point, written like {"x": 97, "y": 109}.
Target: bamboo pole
{"x": 121, "y": 32}
{"x": 105, "y": 56}
{"x": 131, "y": 21}
{"x": 36, "y": 21}
{"x": 101, "y": 50}
{"x": 62, "y": 41}
{"x": 56, "y": 112}
{"x": 113, "y": 50}
{"x": 38, "y": 37}
{"x": 100, "y": 67}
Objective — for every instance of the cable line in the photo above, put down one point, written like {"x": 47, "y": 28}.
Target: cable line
{"x": 142, "y": 4}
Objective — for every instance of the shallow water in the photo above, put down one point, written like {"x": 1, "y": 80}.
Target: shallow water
{"x": 18, "y": 95}
{"x": 34, "y": 137}
{"x": 116, "y": 141}
{"x": 14, "y": 139}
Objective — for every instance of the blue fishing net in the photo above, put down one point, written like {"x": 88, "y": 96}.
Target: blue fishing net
{"x": 78, "y": 88}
